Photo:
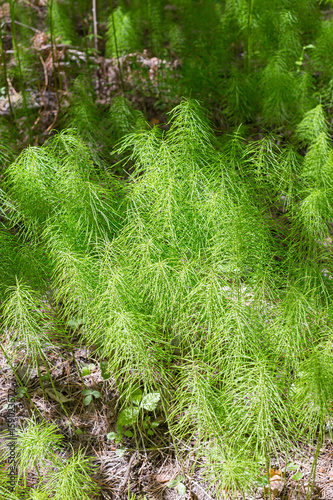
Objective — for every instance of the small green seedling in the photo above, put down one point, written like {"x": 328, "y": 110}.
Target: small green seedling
{"x": 87, "y": 369}
{"x": 115, "y": 436}
{"x": 147, "y": 424}
{"x": 129, "y": 416}
{"x": 89, "y": 394}
{"x": 297, "y": 477}
{"x": 178, "y": 483}
{"x": 148, "y": 402}
{"x": 299, "y": 63}
{"x": 262, "y": 481}
{"x": 120, "y": 452}
{"x": 293, "y": 467}
{"x": 21, "y": 391}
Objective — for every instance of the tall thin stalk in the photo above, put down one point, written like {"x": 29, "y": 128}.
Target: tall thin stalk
{"x": 55, "y": 73}
{"x": 117, "y": 54}
{"x": 86, "y": 49}
{"x": 19, "y": 66}
{"x": 249, "y": 37}
{"x": 94, "y": 13}
{"x": 312, "y": 477}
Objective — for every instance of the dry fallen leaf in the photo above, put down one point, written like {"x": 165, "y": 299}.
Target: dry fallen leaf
{"x": 276, "y": 485}
{"x": 39, "y": 40}
{"x": 162, "y": 478}
{"x": 4, "y": 11}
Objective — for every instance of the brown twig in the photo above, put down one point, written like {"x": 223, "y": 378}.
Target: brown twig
{"x": 127, "y": 473}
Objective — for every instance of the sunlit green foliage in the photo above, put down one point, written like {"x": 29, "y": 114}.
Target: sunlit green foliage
{"x": 254, "y": 62}
{"x": 38, "y": 447}
{"x": 204, "y": 276}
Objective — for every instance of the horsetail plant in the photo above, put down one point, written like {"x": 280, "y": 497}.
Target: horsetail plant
{"x": 204, "y": 276}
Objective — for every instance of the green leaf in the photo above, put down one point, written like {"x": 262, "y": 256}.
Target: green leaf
{"x": 128, "y": 416}
{"x": 181, "y": 488}
{"x": 85, "y": 392}
{"x": 112, "y": 436}
{"x": 78, "y": 431}
{"x": 136, "y": 396}
{"x": 120, "y": 452}
{"x": 172, "y": 484}
{"x": 262, "y": 481}
{"x": 97, "y": 394}
{"x": 154, "y": 424}
{"x": 150, "y": 401}
{"x": 150, "y": 432}
{"x": 292, "y": 466}
{"x": 21, "y": 391}
{"x": 128, "y": 434}
{"x": 85, "y": 371}
{"x": 297, "y": 476}
{"x": 87, "y": 400}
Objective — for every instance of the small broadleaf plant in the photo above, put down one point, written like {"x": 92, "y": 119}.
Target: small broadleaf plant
{"x": 129, "y": 416}
{"x": 179, "y": 484}
{"x": 89, "y": 395}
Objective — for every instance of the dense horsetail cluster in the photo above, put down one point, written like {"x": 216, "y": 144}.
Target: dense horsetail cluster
{"x": 220, "y": 247}
{"x": 193, "y": 259}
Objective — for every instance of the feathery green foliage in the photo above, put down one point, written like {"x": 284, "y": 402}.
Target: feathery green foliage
{"x": 201, "y": 274}
{"x": 252, "y": 62}
{"x": 122, "y": 37}
{"x": 205, "y": 276}
{"x": 60, "y": 14}
{"x": 38, "y": 447}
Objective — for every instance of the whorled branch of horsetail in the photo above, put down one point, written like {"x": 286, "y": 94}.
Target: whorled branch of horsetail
{"x": 117, "y": 54}
{"x": 19, "y": 66}
{"x": 249, "y": 39}
{"x": 86, "y": 49}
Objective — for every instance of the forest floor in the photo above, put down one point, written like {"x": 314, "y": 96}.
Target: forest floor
{"x": 147, "y": 471}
